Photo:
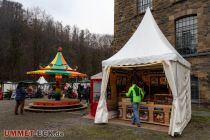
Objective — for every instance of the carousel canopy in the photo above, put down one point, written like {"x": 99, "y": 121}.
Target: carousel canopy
{"x": 58, "y": 66}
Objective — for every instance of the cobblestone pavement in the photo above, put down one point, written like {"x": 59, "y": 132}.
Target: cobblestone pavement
{"x": 77, "y": 128}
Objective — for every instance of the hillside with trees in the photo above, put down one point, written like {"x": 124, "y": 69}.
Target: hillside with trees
{"x": 30, "y": 39}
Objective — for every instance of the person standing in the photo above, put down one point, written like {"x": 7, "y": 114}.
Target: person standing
{"x": 29, "y": 91}
{"x": 1, "y": 93}
{"x": 51, "y": 93}
{"x": 20, "y": 98}
{"x": 80, "y": 91}
{"x": 65, "y": 90}
{"x": 136, "y": 94}
{"x": 87, "y": 94}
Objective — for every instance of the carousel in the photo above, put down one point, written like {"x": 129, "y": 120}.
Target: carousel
{"x": 59, "y": 69}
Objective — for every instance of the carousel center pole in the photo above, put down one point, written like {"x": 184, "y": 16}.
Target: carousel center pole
{"x": 58, "y": 78}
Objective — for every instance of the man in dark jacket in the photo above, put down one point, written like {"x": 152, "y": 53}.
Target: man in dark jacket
{"x": 80, "y": 91}
{"x": 20, "y": 98}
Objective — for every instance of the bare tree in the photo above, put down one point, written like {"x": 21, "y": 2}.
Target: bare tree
{"x": 30, "y": 38}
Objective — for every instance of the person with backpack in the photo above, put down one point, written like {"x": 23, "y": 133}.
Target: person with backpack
{"x": 20, "y": 98}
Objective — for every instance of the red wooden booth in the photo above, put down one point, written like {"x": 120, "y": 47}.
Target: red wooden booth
{"x": 95, "y": 89}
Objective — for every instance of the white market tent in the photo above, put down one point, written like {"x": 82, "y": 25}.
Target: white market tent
{"x": 41, "y": 80}
{"x": 97, "y": 76}
{"x": 148, "y": 46}
{"x": 43, "y": 84}
{"x": 9, "y": 86}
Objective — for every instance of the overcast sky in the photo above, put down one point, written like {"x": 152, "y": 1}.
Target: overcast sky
{"x": 95, "y": 15}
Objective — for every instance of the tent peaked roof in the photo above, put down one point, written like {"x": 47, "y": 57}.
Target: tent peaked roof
{"x": 97, "y": 76}
{"x": 42, "y": 80}
{"x": 147, "y": 45}
{"x": 59, "y": 62}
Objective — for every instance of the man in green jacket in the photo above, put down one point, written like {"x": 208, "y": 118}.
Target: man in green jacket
{"x": 136, "y": 94}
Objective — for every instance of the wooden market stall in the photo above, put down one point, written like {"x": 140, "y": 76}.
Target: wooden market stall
{"x": 149, "y": 56}
{"x": 155, "y": 107}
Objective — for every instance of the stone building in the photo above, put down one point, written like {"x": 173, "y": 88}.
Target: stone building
{"x": 185, "y": 23}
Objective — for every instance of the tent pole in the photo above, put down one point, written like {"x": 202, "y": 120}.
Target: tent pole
{"x": 199, "y": 98}
{"x": 176, "y": 81}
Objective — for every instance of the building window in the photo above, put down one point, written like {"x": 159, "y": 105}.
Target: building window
{"x": 194, "y": 88}
{"x": 143, "y": 4}
{"x": 187, "y": 35}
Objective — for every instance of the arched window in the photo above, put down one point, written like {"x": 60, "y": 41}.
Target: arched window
{"x": 187, "y": 35}
{"x": 143, "y": 4}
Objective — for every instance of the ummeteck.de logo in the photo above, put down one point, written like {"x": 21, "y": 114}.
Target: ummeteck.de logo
{"x": 33, "y": 133}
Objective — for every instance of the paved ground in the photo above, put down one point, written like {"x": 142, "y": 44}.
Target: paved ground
{"x": 77, "y": 128}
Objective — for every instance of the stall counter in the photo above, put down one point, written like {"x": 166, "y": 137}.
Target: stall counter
{"x": 148, "y": 112}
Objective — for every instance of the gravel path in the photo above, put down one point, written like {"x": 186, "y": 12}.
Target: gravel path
{"x": 77, "y": 128}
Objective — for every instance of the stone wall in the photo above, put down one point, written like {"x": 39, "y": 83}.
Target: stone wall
{"x": 165, "y": 13}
